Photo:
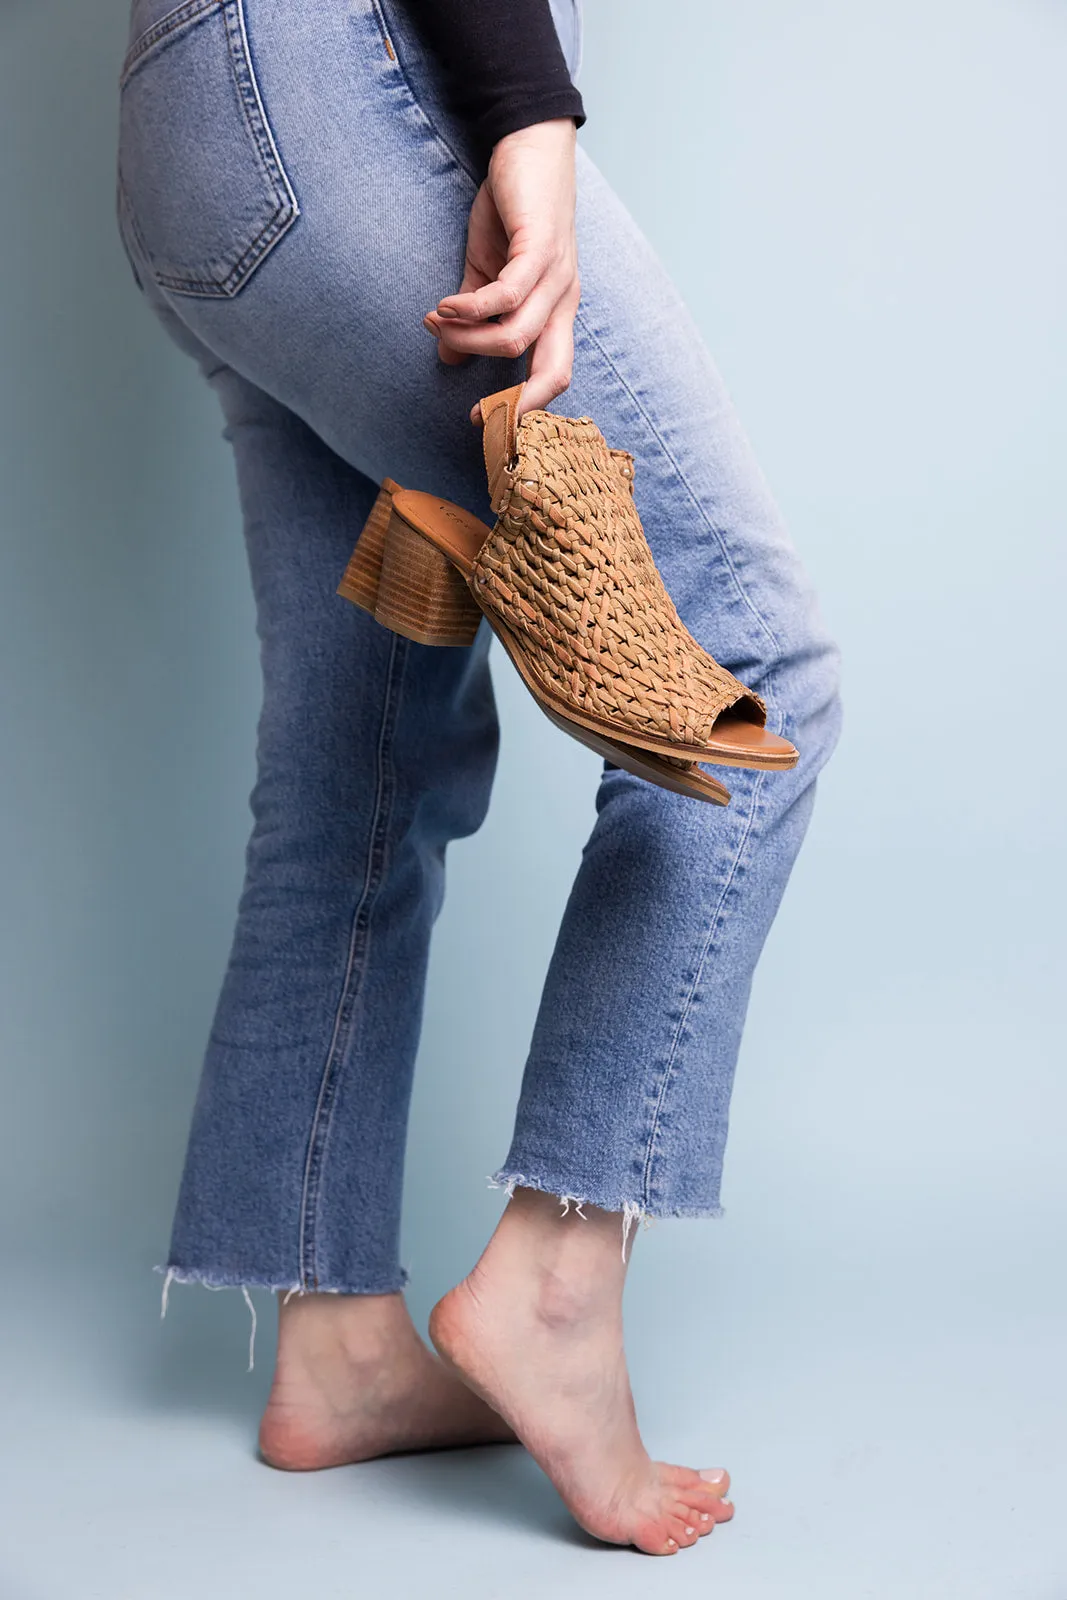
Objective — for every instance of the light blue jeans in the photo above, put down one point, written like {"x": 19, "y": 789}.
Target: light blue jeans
{"x": 294, "y": 196}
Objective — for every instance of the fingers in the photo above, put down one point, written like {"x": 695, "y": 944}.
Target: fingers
{"x": 511, "y": 337}
{"x": 550, "y": 345}
{"x": 485, "y": 257}
{"x": 519, "y": 293}
{"x": 549, "y": 368}
{"x": 520, "y": 284}
{"x": 516, "y": 281}
{"x": 450, "y": 354}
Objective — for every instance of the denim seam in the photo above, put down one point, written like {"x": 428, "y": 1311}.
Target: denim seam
{"x": 209, "y": 1278}
{"x": 716, "y": 532}
{"x": 264, "y": 147}
{"x": 173, "y": 20}
{"x": 356, "y": 963}
{"x": 417, "y": 105}
{"x": 714, "y": 928}
{"x": 126, "y": 214}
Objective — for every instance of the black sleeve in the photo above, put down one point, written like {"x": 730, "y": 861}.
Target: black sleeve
{"x": 502, "y": 62}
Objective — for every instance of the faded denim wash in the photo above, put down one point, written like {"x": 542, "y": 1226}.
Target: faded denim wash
{"x": 293, "y": 196}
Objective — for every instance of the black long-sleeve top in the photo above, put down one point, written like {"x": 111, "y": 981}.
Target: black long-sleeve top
{"x": 502, "y": 62}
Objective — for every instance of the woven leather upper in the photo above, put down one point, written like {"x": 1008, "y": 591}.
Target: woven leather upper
{"x": 568, "y": 566}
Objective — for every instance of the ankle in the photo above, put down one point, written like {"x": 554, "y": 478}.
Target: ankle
{"x": 316, "y": 1327}
{"x": 565, "y": 1267}
{"x": 575, "y": 1302}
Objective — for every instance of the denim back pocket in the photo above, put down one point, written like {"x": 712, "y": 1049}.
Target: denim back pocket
{"x": 202, "y": 187}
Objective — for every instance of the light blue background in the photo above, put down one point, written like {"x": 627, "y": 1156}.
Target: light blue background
{"x": 864, "y": 206}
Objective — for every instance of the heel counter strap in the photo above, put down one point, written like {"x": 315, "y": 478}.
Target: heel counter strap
{"x": 500, "y": 421}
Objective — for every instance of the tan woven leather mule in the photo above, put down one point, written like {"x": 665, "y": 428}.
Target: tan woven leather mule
{"x": 568, "y": 584}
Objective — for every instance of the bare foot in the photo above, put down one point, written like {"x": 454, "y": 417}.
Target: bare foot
{"x": 354, "y": 1380}
{"x": 536, "y": 1330}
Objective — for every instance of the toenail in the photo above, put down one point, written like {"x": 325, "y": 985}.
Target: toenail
{"x": 670, "y": 1544}
{"x": 690, "y": 1530}
{"x": 713, "y": 1477}
{"x": 704, "y": 1516}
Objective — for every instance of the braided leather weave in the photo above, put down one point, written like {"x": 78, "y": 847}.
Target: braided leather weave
{"x": 568, "y": 565}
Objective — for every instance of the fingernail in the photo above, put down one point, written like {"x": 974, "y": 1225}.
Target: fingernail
{"x": 713, "y": 1477}
{"x": 447, "y": 311}
{"x": 430, "y": 328}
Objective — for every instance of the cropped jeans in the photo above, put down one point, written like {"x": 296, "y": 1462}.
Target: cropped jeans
{"x": 293, "y": 197}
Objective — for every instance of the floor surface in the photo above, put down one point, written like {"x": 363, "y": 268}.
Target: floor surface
{"x": 876, "y": 1452}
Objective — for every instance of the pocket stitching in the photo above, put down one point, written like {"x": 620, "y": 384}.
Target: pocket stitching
{"x": 263, "y": 142}
{"x": 287, "y": 208}
{"x": 189, "y": 12}
{"x": 435, "y": 131}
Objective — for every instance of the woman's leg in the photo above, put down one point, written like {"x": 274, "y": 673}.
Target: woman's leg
{"x": 624, "y": 1103}
{"x": 536, "y": 1330}
{"x": 673, "y": 900}
{"x": 372, "y": 754}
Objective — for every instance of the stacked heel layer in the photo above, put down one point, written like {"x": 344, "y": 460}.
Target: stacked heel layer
{"x": 364, "y": 570}
{"x": 421, "y": 595}
{"x": 406, "y": 583}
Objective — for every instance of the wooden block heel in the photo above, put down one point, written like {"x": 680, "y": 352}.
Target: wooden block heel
{"x": 421, "y": 594}
{"x": 364, "y": 570}
{"x": 406, "y": 582}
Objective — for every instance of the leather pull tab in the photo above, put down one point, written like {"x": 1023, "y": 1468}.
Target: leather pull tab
{"x": 500, "y": 422}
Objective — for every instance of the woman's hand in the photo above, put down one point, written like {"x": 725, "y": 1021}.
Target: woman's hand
{"x": 521, "y": 266}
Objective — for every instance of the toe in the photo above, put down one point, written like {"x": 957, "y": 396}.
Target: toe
{"x": 704, "y": 1490}
{"x": 702, "y": 1493}
{"x": 692, "y": 1527}
{"x": 681, "y": 1528}
{"x": 717, "y": 1479}
{"x": 702, "y": 1519}
{"x": 666, "y": 1534}
{"x": 707, "y": 1516}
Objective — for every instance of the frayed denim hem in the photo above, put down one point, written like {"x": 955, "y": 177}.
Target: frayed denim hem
{"x": 632, "y": 1211}
{"x": 219, "y": 1280}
